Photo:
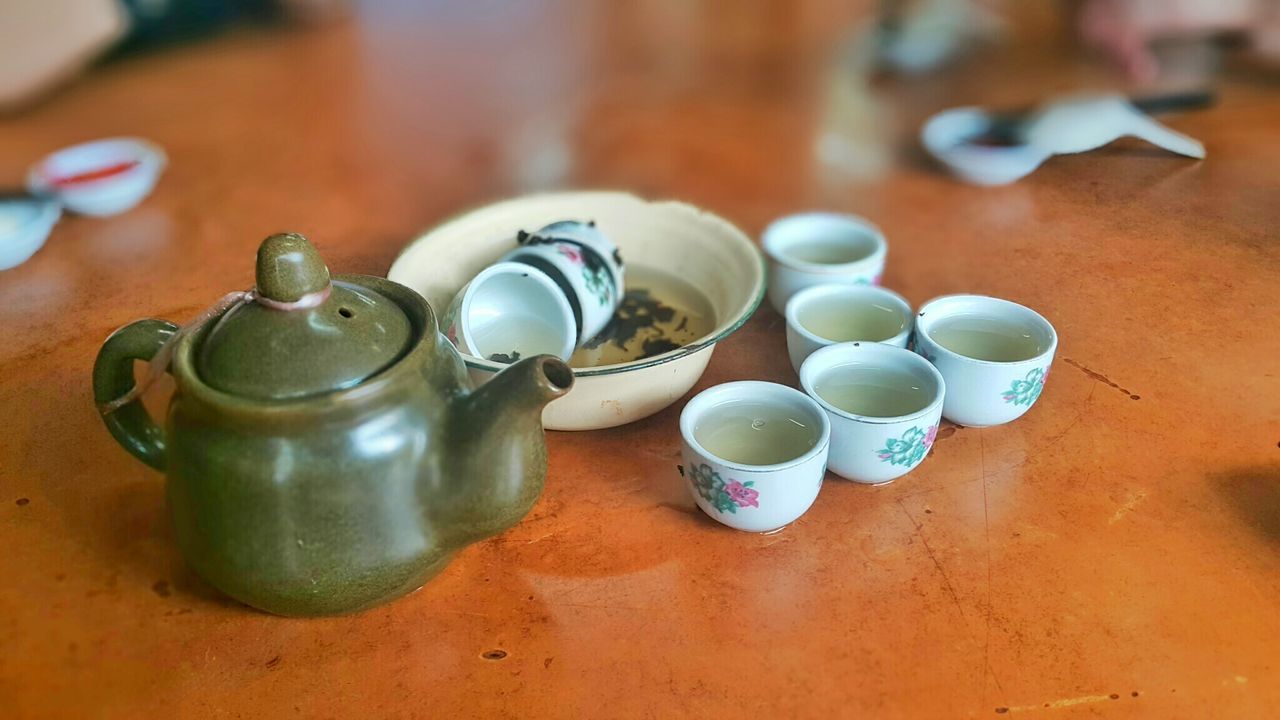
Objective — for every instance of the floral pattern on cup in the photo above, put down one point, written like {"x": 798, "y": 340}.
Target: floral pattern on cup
{"x": 585, "y": 251}
{"x": 911, "y": 448}
{"x": 597, "y": 280}
{"x": 599, "y": 284}
{"x": 725, "y": 497}
{"x": 1025, "y": 391}
{"x": 571, "y": 252}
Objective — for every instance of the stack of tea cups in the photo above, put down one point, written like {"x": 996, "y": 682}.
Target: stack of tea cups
{"x": 557, "y": 288}
{"x": 870, "y": 407}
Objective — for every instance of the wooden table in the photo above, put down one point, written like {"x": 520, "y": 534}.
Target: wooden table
{"x": 1115, "y": 552}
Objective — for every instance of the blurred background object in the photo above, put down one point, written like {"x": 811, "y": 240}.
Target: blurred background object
{"x": 1134, "y": 34}
{"x": 919, "y": 35}
{"x": 44, "y": 43}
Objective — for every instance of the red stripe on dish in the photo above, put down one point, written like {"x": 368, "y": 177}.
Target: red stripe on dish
{"x": 92, "y": 175}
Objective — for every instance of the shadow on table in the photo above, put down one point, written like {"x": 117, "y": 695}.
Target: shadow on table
{"x": 133, "y": 533}
{"x": 1254, "y": 493}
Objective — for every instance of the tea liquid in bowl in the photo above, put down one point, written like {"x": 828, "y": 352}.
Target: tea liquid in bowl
{"x": 752, "y": 433}
{"x": 873, "y": 391}
{"x": 659, "y": 313}
{"x": 858, "y": 322}
{"x": 986, "y": 338}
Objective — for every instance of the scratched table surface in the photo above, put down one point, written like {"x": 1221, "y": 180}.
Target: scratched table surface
{"x": 1115, "y": 552}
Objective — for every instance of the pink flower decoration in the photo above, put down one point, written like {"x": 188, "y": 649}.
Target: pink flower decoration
{"x": 930, "y": 436}
{"x": 452, "y": 334}
{"x": 876, "y": 280}
{"x": 571, "y": 252}
{"x": 742, "y": 495}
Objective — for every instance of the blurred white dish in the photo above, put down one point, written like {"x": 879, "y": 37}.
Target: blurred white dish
{"x": 25, "y": 223}
{"x": 100, "y": 178}
{"x": 1064, "y": 126}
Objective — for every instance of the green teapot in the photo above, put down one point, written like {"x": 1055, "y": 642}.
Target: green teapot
{"x": 324, "y": 450}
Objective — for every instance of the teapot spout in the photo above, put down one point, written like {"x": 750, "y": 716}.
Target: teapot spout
{"x": 497, "y": 457}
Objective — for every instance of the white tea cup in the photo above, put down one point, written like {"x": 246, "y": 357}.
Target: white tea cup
{"x": 755, "y": 453}
{"x": 818, "y": 249}
{"x": 828, "y": 314}
{"x": 884, "y": 403}
{"x": 585, "y": 265}
{"x": 995, "y": 355}
{"x": 508, "y": 312}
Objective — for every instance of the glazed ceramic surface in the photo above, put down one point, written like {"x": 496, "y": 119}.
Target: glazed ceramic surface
{"x": 692, "y": 279}
{"x": 789, "y": 243}
{"x": 585, "y": 264}
{"x": 104, "y": 177}
{"x": 25, "y": 224}
{"x": 511, "y": 310}
{"x": 872, "y": 449}
{"x": 755, "y": 498}
{"x": 356, "y": 479}
{"x": 981, "y": 393}
{"x": 1065, "y": 125}
{"x": 840, "y": 299}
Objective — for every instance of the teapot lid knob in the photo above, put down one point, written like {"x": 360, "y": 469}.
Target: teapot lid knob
{"x": 289, "y": 268}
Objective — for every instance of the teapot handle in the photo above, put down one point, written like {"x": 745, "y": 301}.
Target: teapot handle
{"x": 130, "y": 424}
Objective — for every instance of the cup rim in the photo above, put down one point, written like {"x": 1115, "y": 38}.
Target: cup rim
{"x": 743, "y": 389}
{"x": 770, "y": 245}
{"x": 553, "y": 290}
{"x": 809, "y": 369}
{"x": 792, "y": 310}
{"x": 1037, "y": 359}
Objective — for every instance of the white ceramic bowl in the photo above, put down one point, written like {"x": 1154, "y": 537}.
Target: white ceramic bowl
{"x": 514, "y": 311}
{"x": 25, "y": 223}
{"x": 703, "y": 251}
{"x": 876, "y": 449}
{"x": 821, "y": 249}
{"x": 755, "y": 498}
{"x": 981, "y": 393}
{"x": 844, "y": 301}
{"x": 104, "y": 177}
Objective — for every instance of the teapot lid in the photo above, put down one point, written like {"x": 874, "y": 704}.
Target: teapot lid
{"x": 300, "y": 333}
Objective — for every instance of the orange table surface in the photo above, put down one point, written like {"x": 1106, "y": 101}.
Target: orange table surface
{"x": 1115, "y": 552}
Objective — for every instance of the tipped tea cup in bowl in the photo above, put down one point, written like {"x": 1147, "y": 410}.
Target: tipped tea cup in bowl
{"x": 508, "y": 312}
{"x": 584, "y": 263}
